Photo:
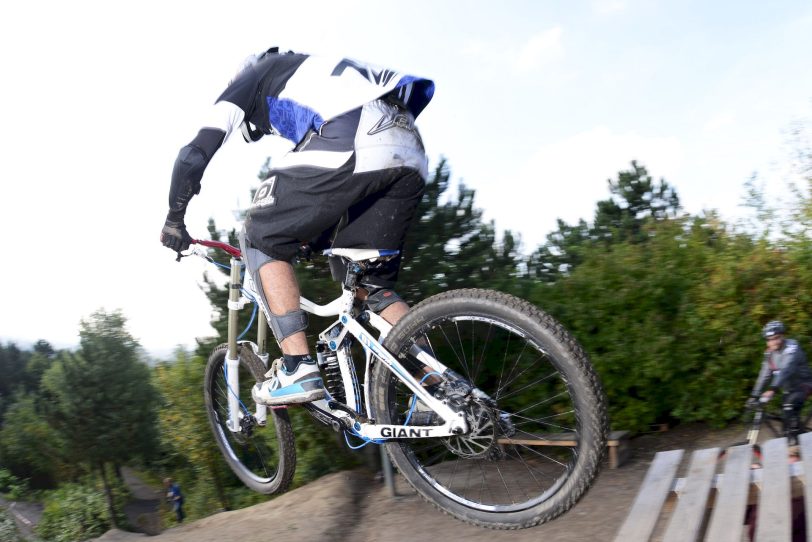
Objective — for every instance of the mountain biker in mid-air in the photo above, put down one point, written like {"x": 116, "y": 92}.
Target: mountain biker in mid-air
{"x": 358, "y": 164}
{"x": 786, "y": 367}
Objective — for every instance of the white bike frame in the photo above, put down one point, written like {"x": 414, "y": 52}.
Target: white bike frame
{"x": 347, "y": 324}
{"x": 342, "y": 307}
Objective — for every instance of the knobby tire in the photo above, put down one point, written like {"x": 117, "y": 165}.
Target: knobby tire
{"x": 265, "y": 459}
{"x": 541, "y": 381}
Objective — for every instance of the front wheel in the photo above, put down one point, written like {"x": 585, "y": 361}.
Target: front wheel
{"x": 262, "y": 456}
{"x": 538, "y": 436}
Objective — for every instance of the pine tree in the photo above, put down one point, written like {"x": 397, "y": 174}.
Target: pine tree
{"x": 104, "y": 402}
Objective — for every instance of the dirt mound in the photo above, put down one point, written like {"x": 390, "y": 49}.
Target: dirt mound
{"x": 355, "y": 506}
{"x": 314, "y": 512}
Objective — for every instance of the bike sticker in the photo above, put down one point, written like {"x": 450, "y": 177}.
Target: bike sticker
{"x": 410, "y": 432}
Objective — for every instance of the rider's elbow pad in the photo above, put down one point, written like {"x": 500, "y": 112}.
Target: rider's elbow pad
{"x": 189, "y": 167}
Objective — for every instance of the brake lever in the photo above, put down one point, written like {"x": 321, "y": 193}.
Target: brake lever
{"x": 194, "y": 250}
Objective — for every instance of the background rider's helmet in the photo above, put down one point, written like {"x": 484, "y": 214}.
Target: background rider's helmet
{"x": 773, "y": 328}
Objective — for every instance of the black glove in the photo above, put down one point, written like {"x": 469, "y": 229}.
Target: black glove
{"x": 175, "y": 236}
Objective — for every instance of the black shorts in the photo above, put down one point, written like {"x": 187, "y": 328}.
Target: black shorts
{"x": 327, "y": 203}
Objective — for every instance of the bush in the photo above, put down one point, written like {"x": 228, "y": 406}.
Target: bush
{"x": 76, "y": 512}
{"x": 11, "y": 486}
{"x": 8, "y": 529}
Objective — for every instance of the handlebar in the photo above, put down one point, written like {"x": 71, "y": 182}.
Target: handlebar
{"x": 304, "y": 251}
{"x": 232, "y": 251}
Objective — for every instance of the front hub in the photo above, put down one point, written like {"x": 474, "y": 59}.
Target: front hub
{"x": 481, "y": 437}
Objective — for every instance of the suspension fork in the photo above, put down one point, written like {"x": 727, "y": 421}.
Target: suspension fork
{"x": 752, "y": 435}
{"x": 232, "y": 356}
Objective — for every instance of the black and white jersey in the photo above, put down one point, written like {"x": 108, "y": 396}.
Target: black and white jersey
{"x": 290, "y": 93}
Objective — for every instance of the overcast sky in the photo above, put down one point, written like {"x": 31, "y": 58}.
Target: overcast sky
{"x": 537, "y": 104}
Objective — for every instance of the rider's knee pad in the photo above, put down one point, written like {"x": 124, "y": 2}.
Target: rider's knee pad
{"x": 287, "y": 324}
{"x": 381, "y": 298}
{"x": 284, "y": 325}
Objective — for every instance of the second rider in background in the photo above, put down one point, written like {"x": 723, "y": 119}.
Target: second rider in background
{"x": 785, "y": 366}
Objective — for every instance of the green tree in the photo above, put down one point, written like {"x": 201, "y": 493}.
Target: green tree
{"x": 635, "y": 199}
{"x": 28, "y": 446}
{"x": 185, "y": 432}
{"x": 672, "y": 324}
{"x": 12, "y": 367}
{"x": 450, "y": 246}
{"x": 104, "y": 403}
{"x": 41, "y": 359}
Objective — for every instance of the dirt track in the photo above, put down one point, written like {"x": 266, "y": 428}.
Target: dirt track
{"x": 353, "y": 506}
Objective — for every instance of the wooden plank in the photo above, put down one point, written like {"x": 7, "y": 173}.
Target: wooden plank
{"x": 615, "y": 436}
{"x": 805, "y": 440}
{"x": 545, "y": 439}
{"x": 774, "y": 516}
{"x": 642, "y": 518}
{"x": 559, "y": 439}
{"x": 686, "y": 523}
{"x": 727, "y": 520}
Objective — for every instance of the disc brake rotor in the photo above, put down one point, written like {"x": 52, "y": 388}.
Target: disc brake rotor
{"x": 481, "y": 438}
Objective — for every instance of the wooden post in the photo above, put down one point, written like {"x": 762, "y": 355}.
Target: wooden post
{"x": 386, "y": 467}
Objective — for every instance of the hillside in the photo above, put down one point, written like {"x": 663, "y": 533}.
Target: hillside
{"x": 354, "y": 506}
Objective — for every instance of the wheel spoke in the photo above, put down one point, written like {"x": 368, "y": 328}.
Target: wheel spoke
{"x": 482, "y": 356}
{"x": 254, "y": 452}
{"x": 460, "y": 463}
{"x": 527, "y": 370}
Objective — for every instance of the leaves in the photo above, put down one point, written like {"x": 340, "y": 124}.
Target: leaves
{"x": 104, "y": 401}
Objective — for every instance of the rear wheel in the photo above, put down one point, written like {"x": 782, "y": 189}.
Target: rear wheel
{"x": 536, "y": 440}
{"x": 263, "y": 457}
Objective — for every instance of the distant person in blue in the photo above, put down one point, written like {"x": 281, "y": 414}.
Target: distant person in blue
{"x": 785, "y": 367}
{"x": 175, "y": 497}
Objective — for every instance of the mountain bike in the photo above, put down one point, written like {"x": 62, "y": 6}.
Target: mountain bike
{"x": 763, "y": 415}
{"x": 485, "y": 404}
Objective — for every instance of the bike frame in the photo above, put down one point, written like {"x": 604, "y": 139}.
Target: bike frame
{"x": 328, "y": 411}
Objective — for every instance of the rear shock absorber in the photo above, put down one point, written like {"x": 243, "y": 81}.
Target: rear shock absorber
{"x": 328, "y": 363}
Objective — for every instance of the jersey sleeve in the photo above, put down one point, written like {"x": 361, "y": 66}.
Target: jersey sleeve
{"x": 763, "y": 376}
{"x": 225, "y": 117}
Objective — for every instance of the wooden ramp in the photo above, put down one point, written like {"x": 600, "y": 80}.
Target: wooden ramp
{"x": 617, "y": 443}
{"x": 710, "y": 501}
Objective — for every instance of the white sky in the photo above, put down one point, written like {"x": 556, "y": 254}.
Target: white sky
{"x": 537, "y": 104}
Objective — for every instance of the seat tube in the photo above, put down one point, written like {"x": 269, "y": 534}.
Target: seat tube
{"x": 232, "y": 359}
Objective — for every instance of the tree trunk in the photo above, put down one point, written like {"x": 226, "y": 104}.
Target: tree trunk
{"x": 218, "y": 485}
{"x": 109, "y": 494}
